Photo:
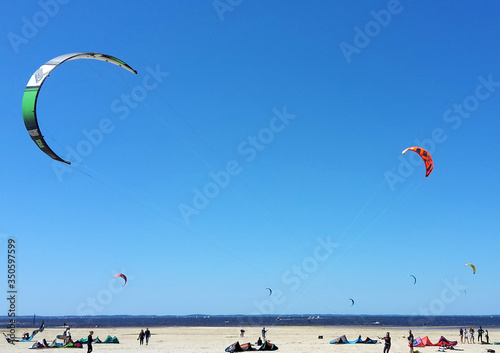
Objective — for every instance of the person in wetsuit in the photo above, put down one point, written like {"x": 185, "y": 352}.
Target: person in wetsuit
{"x": 387, "y": 341}
{"x": 89, "y": 342}
{"x": 410, "y": 339}
{"x": 480, "y": 334}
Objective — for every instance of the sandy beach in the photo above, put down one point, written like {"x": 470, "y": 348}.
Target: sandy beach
{"x": 293, "y": 339}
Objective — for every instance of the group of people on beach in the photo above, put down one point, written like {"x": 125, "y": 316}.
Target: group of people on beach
{"x": 260, "y": 340}
{"x": 465, "y": 336}
{"x": 144, "y": 335}
{"x": 468, "y": 336}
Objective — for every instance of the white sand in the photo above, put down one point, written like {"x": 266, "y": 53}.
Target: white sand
{"x": 293, "y": 339}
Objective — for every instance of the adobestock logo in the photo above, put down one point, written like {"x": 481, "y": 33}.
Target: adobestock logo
{"x": 122, "y": 107}
{"x": 249, "y": 149}
{"x": 96, "y": 304}
{"x": 30, "y": 26}
{"x": 372, "y": 29}
{"x": 297, "y": 275}
{"x": 455, "y": 115}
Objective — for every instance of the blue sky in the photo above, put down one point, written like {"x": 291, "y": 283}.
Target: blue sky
{"x": 258, "y": 146}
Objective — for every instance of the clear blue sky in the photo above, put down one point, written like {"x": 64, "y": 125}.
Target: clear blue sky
{"x": 300, "y": 111}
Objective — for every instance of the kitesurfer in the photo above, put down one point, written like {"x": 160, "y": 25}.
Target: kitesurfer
{"x": 264, "y": 334}
{"x": 387, "y": 340}
{"x": 67, "y": 334}
{"x": 89, "y": 342}
{"x": 480, "y": 334}
{"x": 410, "y": 339}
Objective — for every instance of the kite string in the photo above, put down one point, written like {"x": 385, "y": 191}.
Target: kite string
{"x": 175, "y": 221}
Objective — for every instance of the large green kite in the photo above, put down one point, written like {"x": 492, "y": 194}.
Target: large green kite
{"x": 33, "y": 88}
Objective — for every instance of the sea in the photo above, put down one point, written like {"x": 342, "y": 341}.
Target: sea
{"x": 245, "y": 321}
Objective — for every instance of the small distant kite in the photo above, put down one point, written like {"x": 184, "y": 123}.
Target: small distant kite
{"x": 414, "y": 279}
{"x": 270, "y": 291}
{"x": 352, "y": 301}
{"x": 473, "y": 267}
{"x": 122, "y": 276}
{"x": 426, "y": 157}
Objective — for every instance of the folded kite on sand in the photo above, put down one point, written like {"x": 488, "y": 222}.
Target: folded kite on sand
{"x": 236, "y": 347}
{"x": 108, "y": 339}
{"x": 423, "y": 342}
{"x": 343, "y": 340}
{"x": 43, "y": 344}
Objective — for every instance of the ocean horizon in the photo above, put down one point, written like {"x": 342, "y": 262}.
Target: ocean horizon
{"x": 490, "y": 321}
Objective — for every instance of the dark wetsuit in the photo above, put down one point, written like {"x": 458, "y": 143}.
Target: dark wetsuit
{"x": 387, "y": 344}
{"x": 411, "y": 338}
{"x": 480, "y": 335}
{"x": 89, "y": 344}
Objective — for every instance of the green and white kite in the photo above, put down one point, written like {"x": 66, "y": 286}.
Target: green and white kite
{"x": 33, "y": 88}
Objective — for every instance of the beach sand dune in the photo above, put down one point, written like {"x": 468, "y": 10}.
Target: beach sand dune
{"x": 292, "y": 339}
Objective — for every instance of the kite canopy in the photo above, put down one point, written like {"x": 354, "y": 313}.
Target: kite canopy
{"x": 122, "y": 276}
{"x": 352, "y": 301}
{"x": 237, "y": 347}
{"x": 473, "y": 268}
{"x": 270, "y": 291}
{"x": 426, "y": 157}
{"x": 414, "y": 279}
{"x": 33, "y": 88}
{"x": 343, "y": 340}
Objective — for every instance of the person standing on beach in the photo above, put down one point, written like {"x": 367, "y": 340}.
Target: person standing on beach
{"x": 471, "y": 334}
{"x": 466, "y": 336}
{"x": 89, "y": 342}
{"x": 487, "y": 337}
{"x": 141, "y": 337}
{"x": 387, "y": 340}
{"x": 410, "y": 338}
{"x": 148, "y": 334}
{"x": 264, "y": 334}
{"x": 480, "y": 334}
{"x": 67, "y": 333}
{"x": 461, "y": 335}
